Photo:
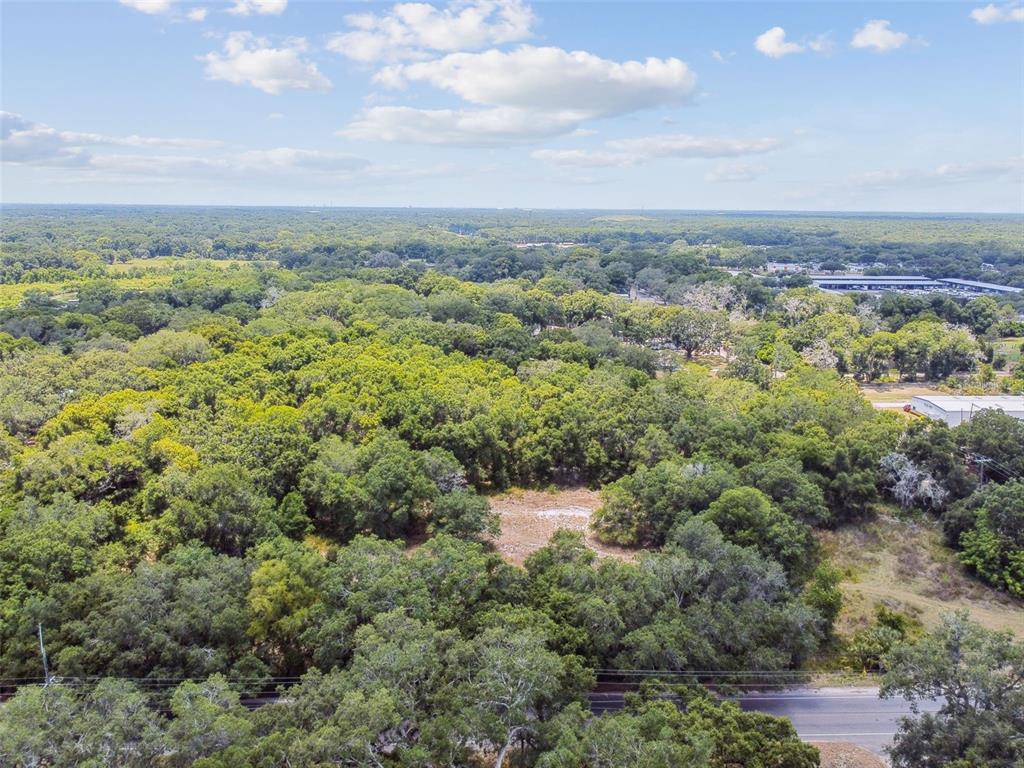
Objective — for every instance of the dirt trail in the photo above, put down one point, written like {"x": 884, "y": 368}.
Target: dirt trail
{"x": 528, "y": 518}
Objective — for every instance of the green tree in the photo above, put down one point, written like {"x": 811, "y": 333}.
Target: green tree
{"x": 696, "y": 332}
{"x": 464, "y": 514}
{"x": 979, "y": 677}
{"x": 994, "y": 547}
{"x": 108, "y": 725}
{"x": 747, "y": 517}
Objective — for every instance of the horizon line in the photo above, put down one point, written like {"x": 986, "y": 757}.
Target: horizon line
{"x": 641, "y": 211}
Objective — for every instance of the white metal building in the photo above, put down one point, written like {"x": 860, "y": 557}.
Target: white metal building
{"x": 954, "y": 409}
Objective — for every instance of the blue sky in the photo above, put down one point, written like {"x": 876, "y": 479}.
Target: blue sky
{"x": 504, "y": 103}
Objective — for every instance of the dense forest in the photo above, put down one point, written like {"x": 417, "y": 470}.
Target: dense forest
{"x": 248, "y": 453}
{"x": 41, "y": 242}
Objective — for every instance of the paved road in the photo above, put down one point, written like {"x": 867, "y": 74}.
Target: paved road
{"x": 854, "y": 715}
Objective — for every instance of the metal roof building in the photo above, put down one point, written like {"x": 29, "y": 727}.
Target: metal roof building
{"x": 978, "y": 286}
{"x": 875, "y": 282}
{"x": 956, "y": 409}
{"x": 849, "y": 282}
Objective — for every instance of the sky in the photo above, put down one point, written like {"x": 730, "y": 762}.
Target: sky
{"x": 832, "y": 106}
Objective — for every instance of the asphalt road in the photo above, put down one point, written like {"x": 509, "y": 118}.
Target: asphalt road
{"x": 854, "y": 715}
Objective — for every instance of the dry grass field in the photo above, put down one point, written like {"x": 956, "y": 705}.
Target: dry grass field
{"x": 905, "y": 565}
{"x": 528, "y": 518}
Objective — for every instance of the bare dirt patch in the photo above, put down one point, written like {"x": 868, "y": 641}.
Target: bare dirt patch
{"x": 895, "y": 395}
{"x": 840, "y": 754}
{"x": 906, "y": 565}
{"x": 528, "y": 518}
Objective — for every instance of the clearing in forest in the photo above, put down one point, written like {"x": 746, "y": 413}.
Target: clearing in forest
{"x": 895, "y": 395}
{"x": 528, "y": 518}
{"x": 905, "y": 565}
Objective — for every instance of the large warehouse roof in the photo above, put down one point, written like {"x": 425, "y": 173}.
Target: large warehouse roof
{"x": 980, "y": 285}
{"x": 977, "y": 402}
{"x": 956, "y": 409}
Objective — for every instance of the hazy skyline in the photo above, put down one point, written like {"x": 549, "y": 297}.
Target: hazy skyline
{"x": 501, "y": 103}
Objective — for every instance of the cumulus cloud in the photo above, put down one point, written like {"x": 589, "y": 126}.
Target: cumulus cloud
{"x": 262, "y": 7}
{"x": 165, "y": 8}
{"x": 520, "y": 96}
{"x": 877, "y": 35}
{"x": 153, "y": 7}
{"x": 1011, "y": 169}
{"x": 414, "y": 30}
{"x": 551, "y": 79}
{"x": 624, "y": 153}
{"x": 773, "y": 44}
{"x": 994, "y": 14}
{"x": 250, "y": 60}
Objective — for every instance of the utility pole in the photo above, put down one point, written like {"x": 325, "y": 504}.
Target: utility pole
{"x": 42, "y": 650}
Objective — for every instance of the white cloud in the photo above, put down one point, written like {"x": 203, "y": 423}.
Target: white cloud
{"x": 412, "y": 30}
{"x": 582, "y": 158}
{"x": 822, "y": 44}
{"x": 250, "y": 60}
{"x": 685, "y": 145}
{"x": 624, "y": 153}
{"x": 994, "y": 14}
{"x": 278, "y": 164}
{"x": 734, "y": 172}
{"x": 166, "y": 8}
{"x": 308, "y": 160}
{"x": 136, "y": 141}
{"x": 26, "y": 141}
{"x": 551, "y": 80}
{"x": 152, "y": 7}
{"x": 262, "y": 7}
{"x": 275, "y": 116}
{"x": 773, "y": 44}
{"x": 877, "y": 35}
{"x": 1011, "y": 169}
{"x": 496, "y": 127}
{"x": 527, "y": 94}
{"x": 85, "y": 157}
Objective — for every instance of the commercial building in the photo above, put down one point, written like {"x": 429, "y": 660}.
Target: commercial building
{"x": 955, "y": 409}
{"x": 976, "y": 286}
{"x": 876, "y": 283}
{"x": 848, "y": 282}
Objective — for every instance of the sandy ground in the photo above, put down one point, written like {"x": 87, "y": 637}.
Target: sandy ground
{"x": 895, "y": 395}
{"x": 905, "y": 564}
{"x": 839, "y": 754}
{"x": 528, "y": 518}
